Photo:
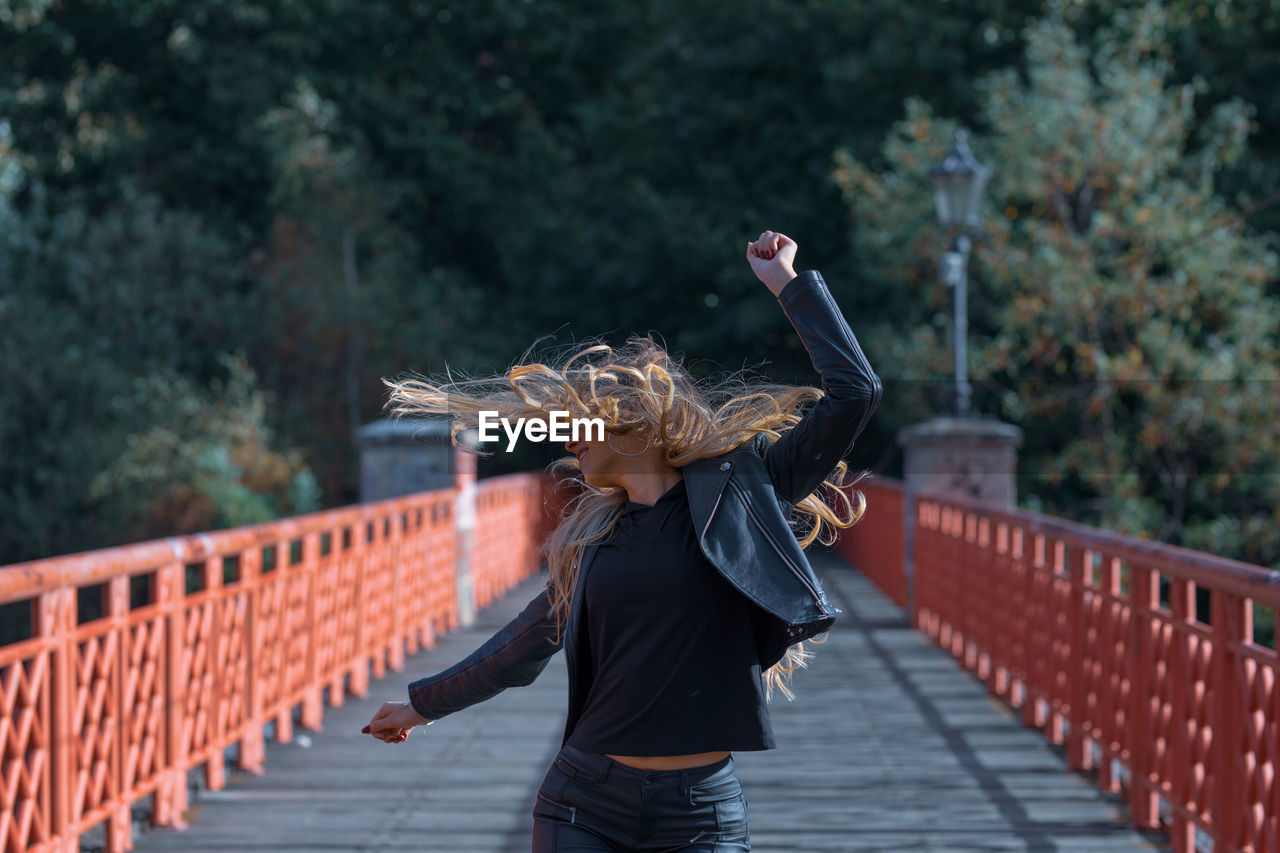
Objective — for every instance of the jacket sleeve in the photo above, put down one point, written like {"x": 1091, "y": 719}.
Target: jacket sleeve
{"x": 804, "y": 456}
{"x": 513, "y": 657}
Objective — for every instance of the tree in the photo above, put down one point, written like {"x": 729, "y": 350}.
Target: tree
{"x": 345, "y": 190}
{"x": 204, "y": 461}
{"x": 1120, "y": 311}
{"x": 1225, "y": 50}
{"x": 86, "y": 308}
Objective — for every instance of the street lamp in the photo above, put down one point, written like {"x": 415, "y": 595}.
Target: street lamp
{"x": 958, "y": 182}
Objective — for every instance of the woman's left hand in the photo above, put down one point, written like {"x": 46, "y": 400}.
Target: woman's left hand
{"x": 772, "y": 259}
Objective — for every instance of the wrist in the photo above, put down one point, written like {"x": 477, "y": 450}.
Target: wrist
{"x": 780, "y": 278}
{"x": 423, "y": 721}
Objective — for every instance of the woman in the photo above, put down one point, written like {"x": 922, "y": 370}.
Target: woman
{"x": 678, "y": 587}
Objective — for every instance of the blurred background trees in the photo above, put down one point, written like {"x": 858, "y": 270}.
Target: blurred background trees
{"x": 224, "y": 212}
{"x": 1121, "y": 313}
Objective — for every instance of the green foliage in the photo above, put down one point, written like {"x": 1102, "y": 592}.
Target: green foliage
{"x": 1225, "y": 50}
{"x": 342, "y": 191}
{"x": 206, "y": 460}
{"x": 87, "y": 304}
{"x": 1121, "y": 315}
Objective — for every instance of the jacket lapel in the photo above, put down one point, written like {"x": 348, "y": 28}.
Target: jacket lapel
{"x": 705, "y": 481}
{"x": 579, "y": 595}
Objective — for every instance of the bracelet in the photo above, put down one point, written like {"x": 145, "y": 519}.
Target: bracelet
{"x": 427, "y": 723}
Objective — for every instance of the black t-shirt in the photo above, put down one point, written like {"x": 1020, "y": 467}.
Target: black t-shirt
{"x": 673, "y": 661}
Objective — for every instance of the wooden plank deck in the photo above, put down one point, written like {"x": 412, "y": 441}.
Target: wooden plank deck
{"x": 888, "y": 747}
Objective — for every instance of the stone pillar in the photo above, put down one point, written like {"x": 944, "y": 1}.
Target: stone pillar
{"x": 401, "y": 457}
{"x": 970, "y": 457}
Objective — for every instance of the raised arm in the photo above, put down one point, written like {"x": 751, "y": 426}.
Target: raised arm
{"x": 803, "y": 457}
{"x": 512, "y": 657}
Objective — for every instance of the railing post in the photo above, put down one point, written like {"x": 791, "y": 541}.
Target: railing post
{"x": 1077, "y": 744}
{"x": 977, "y": 653}
{"x": 1033, "y": 705}
{"x": 1232, "y": 626}
{"x": 917, "y": 557}
{"x": 55, "y": 617}
{"x": 171, "y": 796}
{"x": 252, "y": 750}
{"x": 1183, "y": 607}
{"x": 994, "y": 571}
{"x": 392, "y": 543}
{"x": 909, "y": 521}
{"x": 215, "y": 770}
{"x": 1106, "y": 599}
{"x": 1142, "y": 663}
{"x": 120, "y": 820}
{"x": 464, "y": 520}
{"x": 286, "y": 575}
{"x": 360, "y": 669}
{"x": 312, "y": 692}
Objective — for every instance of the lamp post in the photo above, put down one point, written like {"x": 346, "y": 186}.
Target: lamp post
{"x": 958, "y": 182}
{"x": 961, "y": 455}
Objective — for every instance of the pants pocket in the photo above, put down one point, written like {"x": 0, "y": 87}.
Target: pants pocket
{"x": 731, "y": 819}
{"x": 551, "y": 802}
{"x": 722, "y": 785}
{"x": 721, "y": 796}
{"x": 551, "y": 809}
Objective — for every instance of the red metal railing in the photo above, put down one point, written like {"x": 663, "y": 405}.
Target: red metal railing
{"x": 1097, "y": 639}
{"x": 876, "y": 544}
{"x": 206, "y": 638}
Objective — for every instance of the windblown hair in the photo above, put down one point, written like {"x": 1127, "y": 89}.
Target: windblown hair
{"x": 639, "y": 386}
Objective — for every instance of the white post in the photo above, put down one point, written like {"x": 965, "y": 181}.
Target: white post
{"x": 464, "y": 521}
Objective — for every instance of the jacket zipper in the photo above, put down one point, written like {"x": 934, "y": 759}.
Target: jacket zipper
{"x": 774, "y": 544}
{"x": 715, "y": 506}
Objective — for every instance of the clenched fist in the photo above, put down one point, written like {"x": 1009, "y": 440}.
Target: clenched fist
{"x": 772, "y": 259}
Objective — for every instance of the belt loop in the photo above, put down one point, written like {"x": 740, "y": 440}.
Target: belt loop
{"x": 569, "y": 766}
{"x": 606, "y": 764}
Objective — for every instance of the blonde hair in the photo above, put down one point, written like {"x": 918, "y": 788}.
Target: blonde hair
{"x": 640, "y": 386}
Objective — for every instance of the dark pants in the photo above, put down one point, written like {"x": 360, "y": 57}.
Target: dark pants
{"x": 590, "y": 802}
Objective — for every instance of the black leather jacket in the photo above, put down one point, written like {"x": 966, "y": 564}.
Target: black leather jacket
{"x": 740, "y": 504}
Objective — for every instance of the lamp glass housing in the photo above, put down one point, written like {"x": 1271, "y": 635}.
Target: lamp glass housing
{"x": 958, "y": 183}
